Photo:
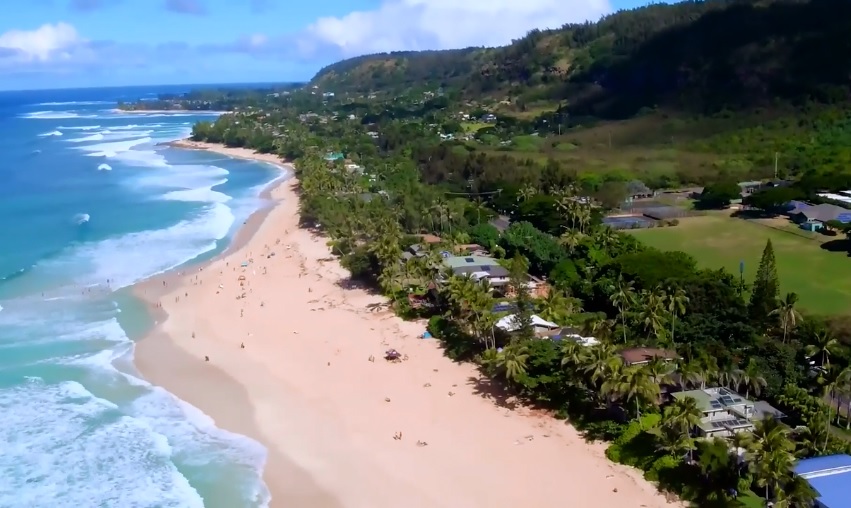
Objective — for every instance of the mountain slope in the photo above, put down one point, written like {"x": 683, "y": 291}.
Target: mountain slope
{"x": 698, "y": 56}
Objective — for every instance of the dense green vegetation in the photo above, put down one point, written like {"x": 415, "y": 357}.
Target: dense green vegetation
{"x": 703, "y": 56}
{"x": 604, "y": 283}
{"x": 671, "y": 94}
{"x": 705, "y": 93}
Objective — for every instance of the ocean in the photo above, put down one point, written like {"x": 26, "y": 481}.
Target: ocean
{"x": 90, "y": 203}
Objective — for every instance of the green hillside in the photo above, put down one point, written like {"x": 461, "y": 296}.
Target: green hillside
{"x": 696, "y": 56}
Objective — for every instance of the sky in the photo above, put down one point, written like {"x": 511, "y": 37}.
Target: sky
{"x": 89, "y": 43}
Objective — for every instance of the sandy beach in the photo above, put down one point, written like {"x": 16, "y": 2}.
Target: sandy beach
{"x": 295, "y": 361}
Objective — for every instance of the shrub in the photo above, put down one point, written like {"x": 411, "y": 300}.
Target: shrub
{"x": 661, "y": 466}
{"x": 675, "y": 222}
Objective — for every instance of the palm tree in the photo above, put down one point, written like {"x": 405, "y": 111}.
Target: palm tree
{"x": 771, "y": 455}
{"x": 623, "y": 298}
{"x": 720, "y": 476}
{"x": 789, "y": 316}
{"x": 527, "y": 192}
{"x": 553, "y": 306}
{"x": 677, "y": 301}
{"x": 632, "y": 384}
{"x": 650, "y": 314}
{"x": 751, "y": 381}
{"x": 823, "y": 344}
{"x": 571, "y": 240}
{"x": 600, "y": 361}
{"x": 682, "y": 416}
{"x": 511, "y": 362}
{"x": 659, "y": 370}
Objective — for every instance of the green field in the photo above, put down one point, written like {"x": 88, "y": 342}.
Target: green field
{"x": 821, "y": 278}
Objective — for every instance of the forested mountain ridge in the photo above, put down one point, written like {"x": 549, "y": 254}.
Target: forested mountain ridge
{"x": 696, "y": 56}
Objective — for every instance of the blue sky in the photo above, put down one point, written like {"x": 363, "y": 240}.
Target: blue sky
{"x": 78, "y": 43}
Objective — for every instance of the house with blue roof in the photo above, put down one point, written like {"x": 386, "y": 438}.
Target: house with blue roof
{"x": 830, "y": 477}
{"x": 813, "y": 218}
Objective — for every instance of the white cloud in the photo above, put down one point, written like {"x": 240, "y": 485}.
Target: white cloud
{"x": 45, "y": 43}
{"x": 443, "y": 24}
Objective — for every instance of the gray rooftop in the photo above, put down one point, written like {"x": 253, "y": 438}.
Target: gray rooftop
{"x": 823, "y": 212}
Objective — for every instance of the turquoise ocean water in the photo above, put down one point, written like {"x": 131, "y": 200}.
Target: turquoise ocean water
{"x": 86, "y": 196}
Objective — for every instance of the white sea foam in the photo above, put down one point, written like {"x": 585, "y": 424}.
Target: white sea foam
{"x": 129, "y": 258}
{"x": 65, "y": 447}
{"x": 73, "y": 103}
{"x": 51, "y": 133}
{"x": 113, "y": 148}
{"x": 142, "y": 158}
{"x": 54, "y": 115}
{"x": 92, "y": 137}
{"x": 82, "y": 218}
{"x": 104, "y": 167}
{"x": 79, "y": 127}
{"x": 199, "y": 195}
{"x": 108, "y": 135}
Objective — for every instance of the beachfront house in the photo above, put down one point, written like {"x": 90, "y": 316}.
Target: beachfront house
{"x": 478, "y": 268}
{"x": 643, "y": 355}
{"x": 725, "y": 412}
{"x": 540, "y": 326}
{"x": 570, "y": 333}
{"x": 829, "y": 476}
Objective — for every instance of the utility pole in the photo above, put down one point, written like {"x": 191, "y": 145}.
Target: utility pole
{"x": 776, "y": 157}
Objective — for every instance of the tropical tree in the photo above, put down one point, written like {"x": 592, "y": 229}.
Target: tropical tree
{"x": 651, "y": 311}
{"x": 681, "y": 417}
{"x": 623, "y": 298}
{"x": 787, "y": 313}
{"x": 511, "y": 362}
{"x": 822, "y": 344}
{"x": 750, "y": 380}
{"x": 718, "y": 468}
{"x": 677, "y": 301}
{"x": 632, "y": 384}
{"x": 771, "y": 455}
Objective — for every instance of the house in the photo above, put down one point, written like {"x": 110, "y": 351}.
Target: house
{"x": 643, "y": 355}
{"x": 429, "y": 238}
{"x": 637, "y": 189}
{"x": 471, "y": 248}
{"x": 414, "y": 251}
{"x": 478, "y": 268}
{"x": 489, "y": 118}
{"x": 354, "y": 168}
{"x": 570, "y": 333}
{"x": 822, "y": 213}
{"x": 725, "y": 412}
{"x": 748, "y": 188}
{"x": 334, "y": 156}
{"x": 829, "y": 476}
{"x": 540, "y": 325}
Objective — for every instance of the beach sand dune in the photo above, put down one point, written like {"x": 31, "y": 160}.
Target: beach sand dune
{"x": 281, "y": 350}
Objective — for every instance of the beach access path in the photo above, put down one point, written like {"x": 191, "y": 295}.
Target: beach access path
{"x": 295, "y": 361}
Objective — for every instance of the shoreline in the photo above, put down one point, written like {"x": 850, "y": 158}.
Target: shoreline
{"x": 295, "y": 363}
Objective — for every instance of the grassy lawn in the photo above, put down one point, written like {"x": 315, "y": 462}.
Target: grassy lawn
{"x": 473, "y": 126}
{"x": 749, "y": 499}
{"x": 821, "y": 278}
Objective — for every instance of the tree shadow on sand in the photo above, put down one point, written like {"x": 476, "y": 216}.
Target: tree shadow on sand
{"x": 493, "y": 391}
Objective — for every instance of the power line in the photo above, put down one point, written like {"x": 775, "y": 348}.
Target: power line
{"x": 471, "y": 194}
